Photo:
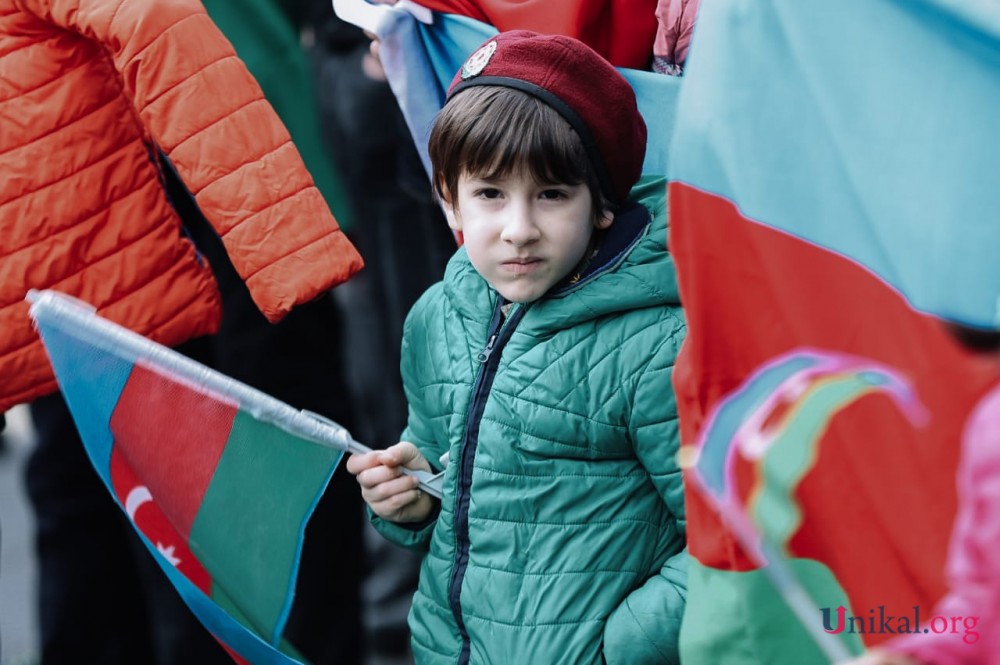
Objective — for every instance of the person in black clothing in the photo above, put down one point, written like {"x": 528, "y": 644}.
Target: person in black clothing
{"x": 405, "y": 240}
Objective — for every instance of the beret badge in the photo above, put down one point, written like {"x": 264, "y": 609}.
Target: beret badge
{"x": 477, "y": 61}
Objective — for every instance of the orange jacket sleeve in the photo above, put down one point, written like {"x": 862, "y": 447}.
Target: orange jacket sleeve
{"x": 198, "y": 102}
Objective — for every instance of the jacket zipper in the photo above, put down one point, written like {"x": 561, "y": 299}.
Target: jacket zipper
{"x": 499, "y": 332}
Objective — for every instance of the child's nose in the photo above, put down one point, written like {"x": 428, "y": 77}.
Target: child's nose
{"x": 519, "y": 227}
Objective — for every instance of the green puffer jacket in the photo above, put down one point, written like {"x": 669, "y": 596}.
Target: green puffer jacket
{"x": 560, "y": 537}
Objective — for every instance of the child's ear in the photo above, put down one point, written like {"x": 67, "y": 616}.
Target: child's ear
{"x": 605, "y": 220}
{"x": 450, "y": 212}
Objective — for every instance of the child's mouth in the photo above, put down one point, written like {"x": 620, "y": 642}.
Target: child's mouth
{"x": 521, "y": 266}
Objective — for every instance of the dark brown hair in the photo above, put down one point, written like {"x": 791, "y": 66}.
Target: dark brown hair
{"x": 493, "y": 132}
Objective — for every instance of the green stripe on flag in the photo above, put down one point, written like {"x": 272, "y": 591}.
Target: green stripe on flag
{"x": 226, "y": 603}
{"x": 248, "y": 530}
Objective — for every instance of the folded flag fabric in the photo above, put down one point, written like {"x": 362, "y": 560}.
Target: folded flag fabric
{"x": 421, "y": 50}
{"x": 220, "y": 479}
{"x": 830, "y": 210}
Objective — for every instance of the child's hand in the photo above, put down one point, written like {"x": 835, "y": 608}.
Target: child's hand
{"x": 390, "y": 494}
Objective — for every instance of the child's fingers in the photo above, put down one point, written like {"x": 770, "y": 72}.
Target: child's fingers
{"x": 378, "y": 475}
{"x": 358, "y": 462}
{"x": 399, "y": 506}
{"x": 387, "y": 489}
{"x": 413, "y": 505}
{"x": 405, "y": 454}
{"x": 390, "y": 493}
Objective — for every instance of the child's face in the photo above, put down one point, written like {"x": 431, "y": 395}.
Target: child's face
{"x": 523, "y": 237}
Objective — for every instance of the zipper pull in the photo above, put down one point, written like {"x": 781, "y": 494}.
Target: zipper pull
{"x": 484, "y": 355}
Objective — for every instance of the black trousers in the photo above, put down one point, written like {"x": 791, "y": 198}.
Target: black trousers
{"x": 405, "y": 241}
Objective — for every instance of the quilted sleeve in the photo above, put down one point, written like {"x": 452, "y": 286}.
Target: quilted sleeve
{"x": 416, "y": 365}
{"x": 196, "y": 100}
{"x": 646, "y": 626}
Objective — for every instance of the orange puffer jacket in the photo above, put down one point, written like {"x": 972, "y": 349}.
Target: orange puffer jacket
{"x": 89, "y": 89}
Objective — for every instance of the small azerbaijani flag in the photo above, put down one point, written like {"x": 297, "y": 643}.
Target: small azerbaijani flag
{"x": 831, "y": 206}
{"x": 219, "y": 478}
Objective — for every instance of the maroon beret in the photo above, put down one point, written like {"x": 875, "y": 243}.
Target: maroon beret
{"x": 577, "y": 83}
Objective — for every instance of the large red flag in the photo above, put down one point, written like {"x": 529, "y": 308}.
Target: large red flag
{"x": 828, "y": 214}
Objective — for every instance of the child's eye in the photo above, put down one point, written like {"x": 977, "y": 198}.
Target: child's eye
{"x": 552, "y": 194}
{"x": 488, "y": 193}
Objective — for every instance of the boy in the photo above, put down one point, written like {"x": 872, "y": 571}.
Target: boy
{"x": 540, "y": 370}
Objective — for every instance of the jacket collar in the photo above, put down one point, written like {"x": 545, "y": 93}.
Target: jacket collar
{"x": 613, "y": 245}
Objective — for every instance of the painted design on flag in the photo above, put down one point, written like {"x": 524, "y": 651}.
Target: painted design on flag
{"x": 773, "y": 425}
{"x": 219, "y": 479}
{"x": 776, "y": 421}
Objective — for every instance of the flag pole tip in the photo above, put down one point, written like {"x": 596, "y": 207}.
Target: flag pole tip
{"x": 49, "y": 296}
